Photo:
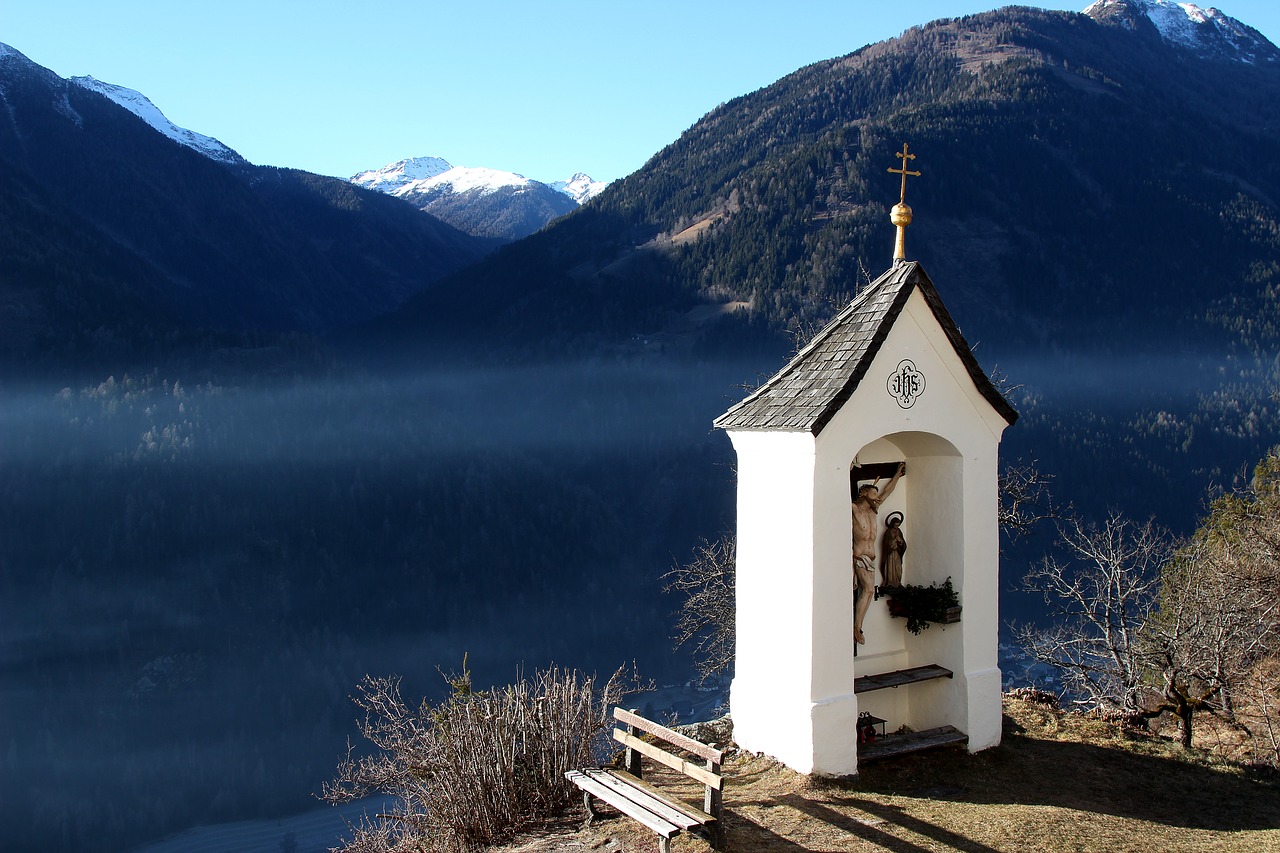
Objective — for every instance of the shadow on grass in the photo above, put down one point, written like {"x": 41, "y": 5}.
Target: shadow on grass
{"x": 746, "y": 834}
{"x": 1114, "y": 780}
{"x": 889, "y": 814}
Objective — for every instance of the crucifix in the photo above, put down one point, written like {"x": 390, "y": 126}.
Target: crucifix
{"x": 866, "y": 506}
{"x": 901, "y": 213}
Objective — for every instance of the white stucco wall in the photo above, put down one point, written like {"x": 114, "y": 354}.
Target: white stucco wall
{"x": 792, "y": 695}
{"x": 775, "y": 575}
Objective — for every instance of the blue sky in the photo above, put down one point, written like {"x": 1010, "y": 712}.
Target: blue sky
{"x": 542, "y": 88}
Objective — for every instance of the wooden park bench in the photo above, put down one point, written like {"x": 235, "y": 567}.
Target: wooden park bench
{"x": 627, "y": 792}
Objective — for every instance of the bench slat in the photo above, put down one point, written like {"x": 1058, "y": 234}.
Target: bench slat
{"x": 630, "y": 808}
{"x": 689, "y": 809}
{"x": 675, "y": 762}
{"x": 643, "y": 794}
{"x": 688, "y": 744}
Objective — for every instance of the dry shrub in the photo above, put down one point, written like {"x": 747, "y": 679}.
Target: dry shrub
{"x": 1034, "y": 696}
{"x": 1124, "y": 719}
{"x": 476, "y": 769}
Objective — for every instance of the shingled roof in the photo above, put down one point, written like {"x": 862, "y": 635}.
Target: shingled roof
{"x": 806, "y": 394}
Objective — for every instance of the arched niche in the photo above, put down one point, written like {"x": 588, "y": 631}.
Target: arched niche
{"x": 931, "y": 497}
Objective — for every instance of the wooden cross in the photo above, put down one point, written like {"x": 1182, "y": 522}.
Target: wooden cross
{"x": 902, "y": 198}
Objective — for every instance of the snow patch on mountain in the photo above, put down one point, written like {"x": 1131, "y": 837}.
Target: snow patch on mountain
{"x": 63, "y": 105}
{"x": 461, "y": 179}
{"x": 581, "y": 188}
{"x": 1206, "y": 31}
{"x": 396, "y": 175}
{"x": 418, "y": 176}
{"x": 141, "y": 106}
{"x": 11, "y": 56}
{"x": 483, "y": 202}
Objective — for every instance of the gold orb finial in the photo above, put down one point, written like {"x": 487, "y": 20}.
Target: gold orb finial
{"x": 901, "y": 213}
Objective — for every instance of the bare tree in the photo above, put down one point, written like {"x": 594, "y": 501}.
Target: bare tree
{"x": 1197, "y": 641}
{"x": 1146, "y": 630}
{"x": 1101, "y": 595}
{"x": 1218, "y": 627}
{"x": 707, "y": 616}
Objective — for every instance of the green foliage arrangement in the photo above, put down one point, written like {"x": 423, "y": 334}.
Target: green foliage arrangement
{"x": 924, "y": 605}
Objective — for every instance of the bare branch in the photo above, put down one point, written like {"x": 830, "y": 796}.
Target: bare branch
{"x": 707, "y": 616}
{"x": 1025, "y": 498}
{"x": 1102, "y": 594}
{"x": 477, "y": 768}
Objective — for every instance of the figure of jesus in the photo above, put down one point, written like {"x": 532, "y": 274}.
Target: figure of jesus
{"x": 865, "y": 524}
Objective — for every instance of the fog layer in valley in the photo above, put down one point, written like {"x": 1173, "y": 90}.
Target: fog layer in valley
{"x": 195, "y": 576}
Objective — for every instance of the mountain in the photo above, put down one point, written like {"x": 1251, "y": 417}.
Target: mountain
{"x": 401, "y": 173}
{"x": 479, "y": 201}
{"x": 141, "y": 106}
{"x": 1090, "y": 184}
{"x": 1207, "y": 32}
{"x": 581, "y": 187}
{"x": 487, "y": 202}
{"x": 116, "y": 236}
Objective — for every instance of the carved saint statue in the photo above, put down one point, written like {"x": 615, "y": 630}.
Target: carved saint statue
{"x": 865, "y": 523}
{"x": 892, "y": 546}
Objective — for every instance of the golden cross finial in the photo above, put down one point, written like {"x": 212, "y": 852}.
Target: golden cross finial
{"x": 904, "y": 156}
{"x": 901, "y": 214}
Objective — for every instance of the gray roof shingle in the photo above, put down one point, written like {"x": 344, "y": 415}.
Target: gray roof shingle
{"x": 806, "y": 394}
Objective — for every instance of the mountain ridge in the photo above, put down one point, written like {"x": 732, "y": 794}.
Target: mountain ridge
{"x": 1209, "y": 32}
{"x": 1035, "y": 230}
{"x": 117, "y": 237}
{"x": 481, "y": 201}
{"x": 141, "y": 106}
{"x": 419, "y": 173}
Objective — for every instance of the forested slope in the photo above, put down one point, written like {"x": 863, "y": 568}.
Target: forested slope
{"x": 1084, "y": 185}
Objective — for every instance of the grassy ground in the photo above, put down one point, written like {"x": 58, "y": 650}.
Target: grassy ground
{"x": 1058, "y": 782}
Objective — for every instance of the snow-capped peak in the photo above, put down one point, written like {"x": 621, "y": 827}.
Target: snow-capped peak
{"x": 395, "y": 176}
{"x": 463, "y": 179}
{"x": 581, "y": 188}
{"x": 1206, "y": 31}
{"x": 141, "y": 106}
{"x": 419, "y": 176}
{"x": 14, "y": 58}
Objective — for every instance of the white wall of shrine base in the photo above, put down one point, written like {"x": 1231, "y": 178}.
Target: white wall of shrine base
{"x": 792, "y": 695}
{"x": 770, "y": 694}
{"x": 794, "y": 733}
